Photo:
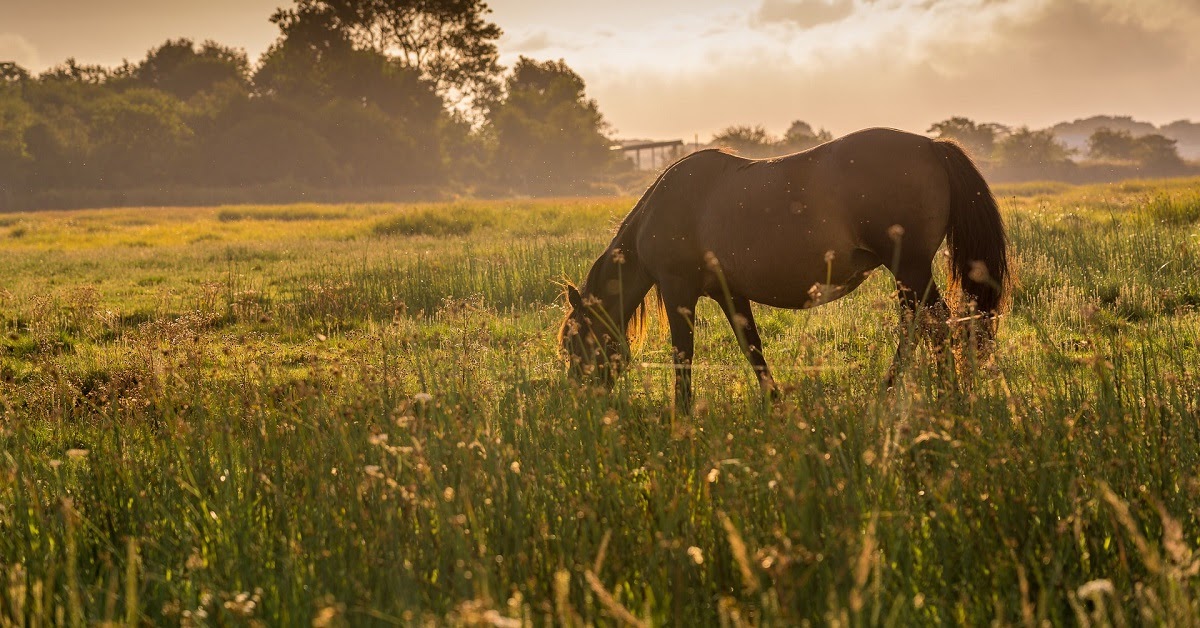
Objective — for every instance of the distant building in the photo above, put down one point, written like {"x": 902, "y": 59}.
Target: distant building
{"x": 647, "y": 155}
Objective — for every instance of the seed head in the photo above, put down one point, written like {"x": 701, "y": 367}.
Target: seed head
{"x": 979, "y": 272}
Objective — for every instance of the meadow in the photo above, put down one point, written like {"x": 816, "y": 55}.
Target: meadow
{"x": 356, "y": 415}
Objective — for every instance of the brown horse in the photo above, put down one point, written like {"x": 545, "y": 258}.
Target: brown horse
{"x": 791, "y": 232}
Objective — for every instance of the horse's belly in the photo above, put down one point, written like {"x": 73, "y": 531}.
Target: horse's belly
{"x": 794, "y": 278}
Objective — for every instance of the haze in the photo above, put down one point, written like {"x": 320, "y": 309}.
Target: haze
{"x": 684, "y": 68}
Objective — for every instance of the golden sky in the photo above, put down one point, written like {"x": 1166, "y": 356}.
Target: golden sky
{"x": 680, "y": 68}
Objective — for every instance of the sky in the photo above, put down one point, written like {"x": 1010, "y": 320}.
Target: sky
{"x": 667, "y": 69}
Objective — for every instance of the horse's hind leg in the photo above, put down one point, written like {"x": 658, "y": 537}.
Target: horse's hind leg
{"x": 741, "y": 319}
{"x": 679, "y": 298}
{"x": 923, "y": 311}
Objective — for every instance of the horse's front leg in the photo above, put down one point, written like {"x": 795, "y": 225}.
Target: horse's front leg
{"x": 680, "y": 301}
{"x": 741, "y": 319}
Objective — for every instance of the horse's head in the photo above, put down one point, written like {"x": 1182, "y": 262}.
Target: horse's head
{"x": 589, "y": 341}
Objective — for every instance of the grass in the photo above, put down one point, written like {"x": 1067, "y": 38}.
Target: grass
{"x": 356, "y": 414}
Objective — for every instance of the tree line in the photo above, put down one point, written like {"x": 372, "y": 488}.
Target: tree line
{"x": 1023, "y": 153}
{"x": 353, "y": 94}
{"x": 388, "y": 99}
{"x": 1003, "y": 152}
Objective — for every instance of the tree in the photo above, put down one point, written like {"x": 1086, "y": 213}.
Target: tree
{"x": 1025, "y": 148}
{"x": 549, "y": 136}
{"x": 307, "y": 59}
{"x": 448, "y": 42}
{"x": 178, "y": 67}
{"x": 379, "y": 117}
{"x": 751, "y": 141}
{"x": 1157, "y": 151}
{"x": 800, "y": 136}
{"x": 12, "y": 74}
{"x": 979, "y": 139}
{"x": 71, "y": 71}
{"x": 1106, "y": 143}
{"x": 1150, "y": 151}
{"x": 15, "y": 119}
{"x": 139, "y": 136}
{"x": 270, "y": 142}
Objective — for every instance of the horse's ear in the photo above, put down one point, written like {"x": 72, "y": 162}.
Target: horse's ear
{"x": 574, "y": 298}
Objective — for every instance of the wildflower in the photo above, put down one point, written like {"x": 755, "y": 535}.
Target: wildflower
{"x": 713, "y": 475}
{"x": 710, "y": 260}
{"x": 516, "y": 467}
{"x": 696, "y": 554}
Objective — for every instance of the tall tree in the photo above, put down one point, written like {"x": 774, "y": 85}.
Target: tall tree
{"x": 550, "y": 137}
{"x": 449, "y": 42}
{"x": 181, "y": 68}
{"x": 378, "y": 116}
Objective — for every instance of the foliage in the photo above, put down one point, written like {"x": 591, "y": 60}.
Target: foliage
{"x": 755, "y": 141}
{"x": 978, "y": 139}
{"x": 1157, "y": 151}
{"x": 11, "y": 73}
{"x": 1024, "y": 147}
{"x": 749, "y": 140}
{"x": 304, "y": 415}
{"x": 1106, "y": 143}
{"x": 352, "y": 95}
{"x": 801, "y": 136}
{"x": 447, "y": 42}
{"x": 550, "y": 137}
{"x": 181, "y": 69}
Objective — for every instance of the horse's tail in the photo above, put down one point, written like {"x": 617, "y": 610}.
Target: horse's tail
{"x": 978, "y": 244}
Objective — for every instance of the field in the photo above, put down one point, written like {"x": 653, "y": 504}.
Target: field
{"x": 333, "y": 414}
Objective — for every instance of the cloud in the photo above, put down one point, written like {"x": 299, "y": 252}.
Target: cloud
{"x": 1100, "y": 39}
{"x": 16, "y": 48}
{"x": 803, "y": 13}
{"x": 530, "y": 43}
{"x": 908, "y": 63}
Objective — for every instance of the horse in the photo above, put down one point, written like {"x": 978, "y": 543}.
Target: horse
{"x": 792, "y": 232}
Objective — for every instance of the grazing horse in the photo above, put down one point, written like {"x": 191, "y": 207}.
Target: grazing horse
{"x": 791, "y": 232}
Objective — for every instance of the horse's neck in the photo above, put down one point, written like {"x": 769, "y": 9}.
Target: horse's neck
{"x": 618, "y": 267}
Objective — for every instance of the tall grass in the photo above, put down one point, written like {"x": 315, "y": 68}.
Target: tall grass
{"x": 342, "y": 426}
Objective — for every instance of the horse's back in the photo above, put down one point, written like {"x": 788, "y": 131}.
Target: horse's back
{"x": 774, "y": 224}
